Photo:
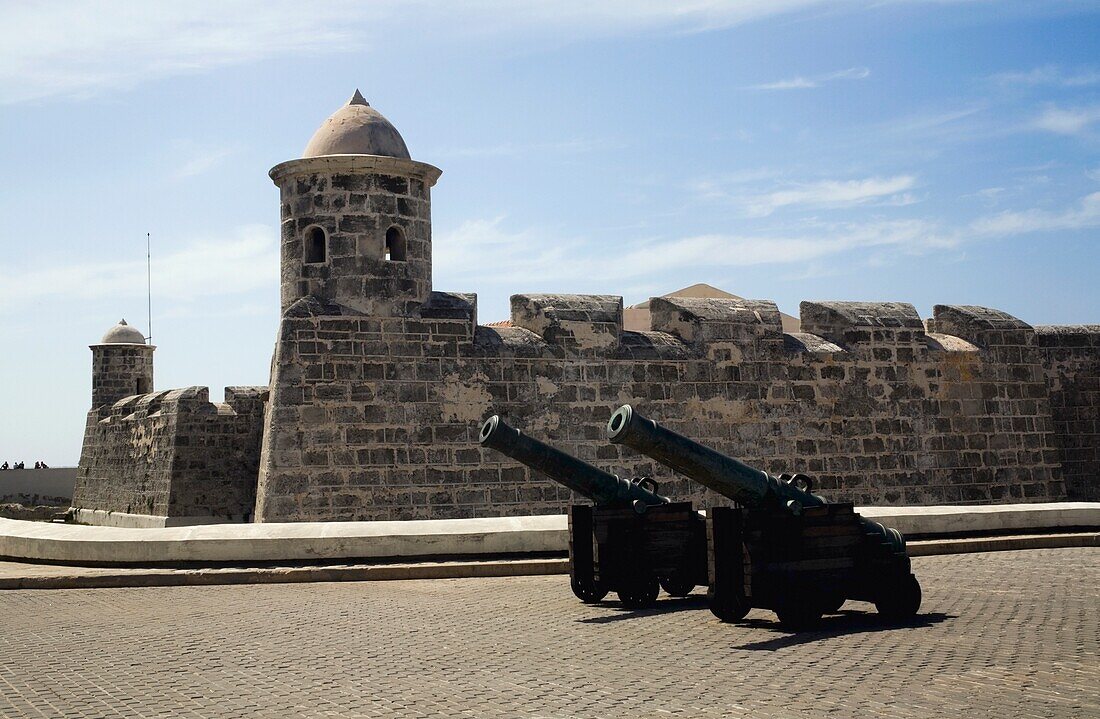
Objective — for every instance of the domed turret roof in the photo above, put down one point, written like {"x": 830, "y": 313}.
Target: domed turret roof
{"x": 123, "y": 333}
{"x": 357, "y": 129}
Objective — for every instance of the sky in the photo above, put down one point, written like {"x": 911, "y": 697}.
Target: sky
{"x": 932, "y": 152}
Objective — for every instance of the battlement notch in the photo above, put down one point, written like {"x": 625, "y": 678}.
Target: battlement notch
{"x": 577, "y": 322}
{"x": 852, "y": 324}
{"x": 698, "y": 320}
{"x": 981, "y": 326}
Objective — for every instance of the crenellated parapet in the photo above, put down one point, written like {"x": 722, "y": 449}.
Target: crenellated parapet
{"x": 186, "y": 400}
{"x": 558, "y": 325}
{"x": 174, "y": 453}
{"x": 372, "y": 417}
{"x": 244, "y": 400}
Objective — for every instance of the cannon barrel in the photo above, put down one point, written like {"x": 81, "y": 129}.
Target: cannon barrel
{"x": 592, "y": 482}
{"x": 750, "y": 487}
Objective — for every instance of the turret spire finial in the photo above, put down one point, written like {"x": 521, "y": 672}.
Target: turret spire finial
{"x": 358, "y": 99}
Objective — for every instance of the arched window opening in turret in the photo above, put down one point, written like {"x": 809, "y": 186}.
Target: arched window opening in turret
{"x": 316, "y": 246}
{"x": 395, "y": 245}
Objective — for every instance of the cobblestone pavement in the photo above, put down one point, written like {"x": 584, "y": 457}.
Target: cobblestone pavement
{"x": 1008, "y": 634}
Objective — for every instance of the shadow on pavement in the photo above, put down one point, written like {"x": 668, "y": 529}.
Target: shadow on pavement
{"x": 691, "y": 602}
{"x": 845, "y": 622}
{"x": 848, "y": 621}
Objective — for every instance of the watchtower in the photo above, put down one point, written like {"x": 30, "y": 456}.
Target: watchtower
{"x": 356, "y": 217}
{"x": 122, "y": 365}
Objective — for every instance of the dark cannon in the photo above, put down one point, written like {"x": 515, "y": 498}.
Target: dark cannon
{"x": 630, "y": 541}
{"x": 785, "y": 548}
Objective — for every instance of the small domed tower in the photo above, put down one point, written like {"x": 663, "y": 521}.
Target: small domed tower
{"x": 356, "y": 217}
{"x": 122, "y": 365}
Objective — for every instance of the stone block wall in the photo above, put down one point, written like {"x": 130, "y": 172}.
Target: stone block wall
{"x": 1072, "y": 362}
{"x": 356, "y": 201}
{"x": 376, "y": 417}
{"x": 174, "y": 454}
{"x": 120, "y": 370}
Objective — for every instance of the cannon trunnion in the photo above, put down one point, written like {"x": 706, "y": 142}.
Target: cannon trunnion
{"x": 785, "y": 548}
{"x": 630, "y": 540}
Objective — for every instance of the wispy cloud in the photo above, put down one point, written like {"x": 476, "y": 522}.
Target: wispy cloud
{"x": 1011, "y": 113}
{"x": 821, "y": 194}
{"x": 831, "y": 194}
{"x": 1085, "y": 214}
{"x": 989, "y": 196}
{"x": 516, "y": 258}
{"x": 1067, "y": 121}
{"x": 488, "y": 253}
{"x": 927, "y": 134}
{"x": 191, "y": 160}
{"x": 1039, "y": 167}
{"x": 486, "y": 250}
{"x": 814, "y": 243}
{"x": 719, "y": 187}
{"x": 1049, "y": 75}
{"x": 245, "y": 260}
{"x": 801, "y": 83}
{"x": 65, "y": 49}
{"x": 570, "y": 146}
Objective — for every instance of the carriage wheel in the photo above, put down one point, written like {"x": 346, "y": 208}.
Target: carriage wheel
{"x": 729, "y": 608}
{"x": 588, "y": 592}
{"x": 899, "y": 599}
{"x": 640, "y": 592}
{"x": 677, "y": 585}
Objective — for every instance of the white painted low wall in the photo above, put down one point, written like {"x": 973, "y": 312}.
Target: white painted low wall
{"x": 38, "y": 541}
{"x": 103, "y": 518}
{"x": 325, "y": 541}
{"x": 985, "y": 518}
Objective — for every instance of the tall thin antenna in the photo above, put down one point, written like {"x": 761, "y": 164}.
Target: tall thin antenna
{"x": 149, "y": 285}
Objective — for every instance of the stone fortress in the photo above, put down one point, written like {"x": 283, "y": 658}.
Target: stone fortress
{"x": 378, "y": 383}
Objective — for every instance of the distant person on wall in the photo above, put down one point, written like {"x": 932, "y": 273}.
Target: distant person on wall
{"x": 44, "y": 465}
{"x": 4, "y": 466}
{"x": 38, "y": 465}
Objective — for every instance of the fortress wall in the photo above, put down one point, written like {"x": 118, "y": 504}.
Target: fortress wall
{"x": 1072, "y": 360}
{"x": 376, "y": 418}
{"x": 173, "y": 453}
{"x": 125, "y": 462}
